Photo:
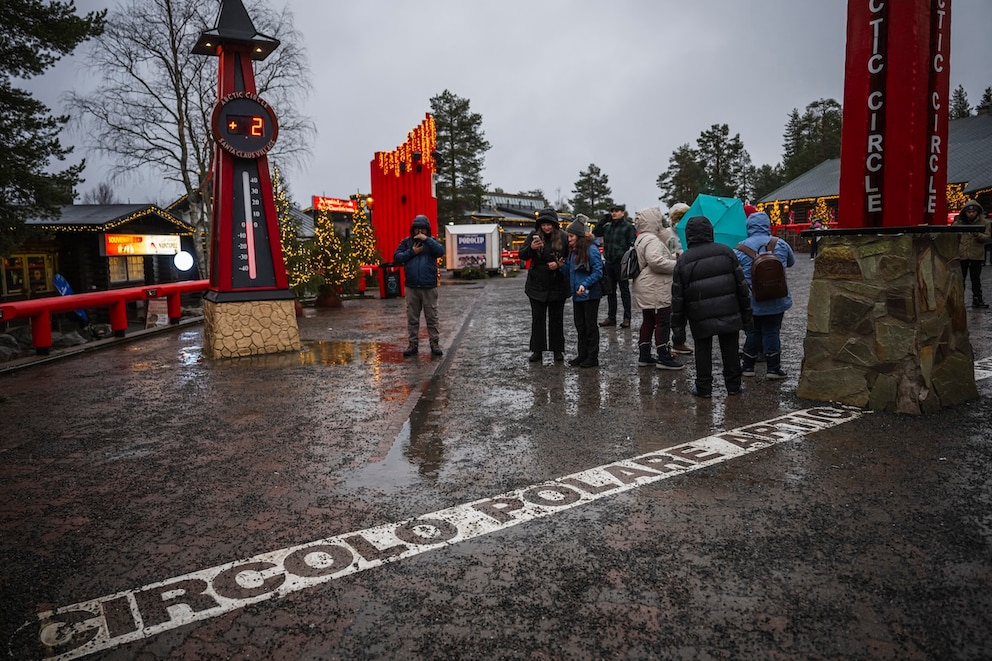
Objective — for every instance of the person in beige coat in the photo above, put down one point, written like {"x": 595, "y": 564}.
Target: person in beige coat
{"x": 651, "y": 290}
{"x": 971, "y": 250}
{"x": 675, "y": 214}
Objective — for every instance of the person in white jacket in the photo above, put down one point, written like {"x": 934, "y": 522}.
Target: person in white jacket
{"x": 652, "y": 289}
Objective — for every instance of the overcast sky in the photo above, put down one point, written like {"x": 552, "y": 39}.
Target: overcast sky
{"x": 560, "y": 84}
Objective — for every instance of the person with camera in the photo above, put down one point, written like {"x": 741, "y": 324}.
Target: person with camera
{"x": 418, "y": 253}
{"x": 546, "y": 248}
{"x": 618, "y": 234}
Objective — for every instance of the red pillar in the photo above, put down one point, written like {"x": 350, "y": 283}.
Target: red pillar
{"x": 893, "y": 145}
{"x": 402, "y": 187}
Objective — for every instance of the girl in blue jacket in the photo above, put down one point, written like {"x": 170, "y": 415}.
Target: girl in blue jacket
{"x": 585, "y": 274}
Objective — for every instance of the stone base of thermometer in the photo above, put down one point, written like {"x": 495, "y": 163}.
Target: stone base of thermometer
{"x": 249, "y": 328}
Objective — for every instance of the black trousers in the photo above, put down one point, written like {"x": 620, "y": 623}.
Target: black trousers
{"x": 585, "y": 314}
{"x": 973, "y": 268}
{"x": 547, "y": 326}
{"x": 730, "y": 356}
{"x": 612, "y": 280}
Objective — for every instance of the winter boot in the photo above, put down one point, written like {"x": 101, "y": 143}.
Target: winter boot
{"x": 644, "y": 358}
{"x": 411, "y": 351}
{"x": 747, "y": 364}
{"x": 666, "y": 361}
{"x": 774, "y": 365}
{"x": 977, "y": 302}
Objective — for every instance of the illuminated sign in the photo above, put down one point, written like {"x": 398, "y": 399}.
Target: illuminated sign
{"x": 244, "y": 125}
{"x": 253, "y": 125}
{"x": 334, "y": 204}
{"x": 140, "y": 244}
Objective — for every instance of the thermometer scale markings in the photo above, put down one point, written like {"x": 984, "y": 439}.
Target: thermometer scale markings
{"x": 249, "y": 225}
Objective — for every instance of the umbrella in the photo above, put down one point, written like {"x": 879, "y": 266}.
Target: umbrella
{"x": 726, "y": 214}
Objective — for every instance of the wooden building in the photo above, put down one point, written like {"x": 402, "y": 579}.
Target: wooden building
{"x": 99, "y": 247}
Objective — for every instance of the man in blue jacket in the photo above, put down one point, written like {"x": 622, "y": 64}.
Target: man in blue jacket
{"x": 768, "y": 315}
{"x": 418, "y": 253}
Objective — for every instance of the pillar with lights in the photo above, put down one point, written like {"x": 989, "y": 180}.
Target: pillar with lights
{"x": 403, "y": 186}
{"x": 249, "y": 309}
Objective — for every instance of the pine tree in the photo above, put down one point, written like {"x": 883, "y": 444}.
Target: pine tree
{"x": 462, "y": 148}
{"x": 724, "y": 160}
{"x": 592, "y": 193}
{"x": 332, "y": 262}
{"x": 986, "y": 100}
{"x": 362, "y": 241}
{"x": 959, "y": 104}
{"x": 811, "y": 138}
{"x": 767, "y": 178}
{"x": 295, "y": 252}
{"x": 684, "y": 179}
{"x": 35, "y": 35}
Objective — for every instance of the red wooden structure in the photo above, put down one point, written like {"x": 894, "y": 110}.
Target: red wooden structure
{"x": 403, "y": 187}
{"x": 896, "y": 93}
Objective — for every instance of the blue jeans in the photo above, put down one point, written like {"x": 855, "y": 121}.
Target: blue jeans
{"x": 764, "y": 338}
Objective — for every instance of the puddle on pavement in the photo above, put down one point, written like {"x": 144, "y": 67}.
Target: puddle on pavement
{"x": 393, "y": 472}
{"x": 417, "y": 453}
{"x": 318, "y": 352}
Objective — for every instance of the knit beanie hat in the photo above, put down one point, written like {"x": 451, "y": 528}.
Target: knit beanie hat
{"x": 749, "y": 209}
{"x": 578, "y": 226}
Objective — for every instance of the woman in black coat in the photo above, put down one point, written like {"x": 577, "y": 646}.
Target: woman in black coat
{"x": 547, "y": 285}
{"x": 709, "y": 293}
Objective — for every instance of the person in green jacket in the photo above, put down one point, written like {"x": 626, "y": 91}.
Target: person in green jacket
{"x": 618, "y": 234}
{"x": 971, "y": 250}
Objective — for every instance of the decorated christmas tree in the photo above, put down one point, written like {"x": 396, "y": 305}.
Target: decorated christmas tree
{"x": 332, "y": 261}
{"x": 295, "y": 252}
{"x": 362, "y": 241}
{"x": 821, "y": 211}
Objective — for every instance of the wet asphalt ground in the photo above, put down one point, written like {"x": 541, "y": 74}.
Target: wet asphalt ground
{"x": 345, "y": 503}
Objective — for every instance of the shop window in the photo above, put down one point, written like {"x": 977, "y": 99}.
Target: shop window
{"x": 23, "y": 274}
{"x": 126, "y": 269}
{"x": 13, "y": 276}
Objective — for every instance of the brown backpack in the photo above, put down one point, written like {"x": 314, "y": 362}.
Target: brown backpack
{"x": 767, "y": 273}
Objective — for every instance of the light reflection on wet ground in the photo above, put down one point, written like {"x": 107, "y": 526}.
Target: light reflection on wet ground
{"x": 165, "y": 463}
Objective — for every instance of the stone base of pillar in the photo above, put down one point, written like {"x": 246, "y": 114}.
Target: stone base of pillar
{"x": 887, "y": 327}
{"x": 249, "y": 328}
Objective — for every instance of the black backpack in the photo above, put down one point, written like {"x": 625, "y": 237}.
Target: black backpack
{"x": 630, "y": 266}
{"x": 767, "y": 273}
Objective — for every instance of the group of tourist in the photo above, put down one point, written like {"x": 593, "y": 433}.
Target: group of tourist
{"x": 704, "y": 289}
{"x": 708, "y": 288}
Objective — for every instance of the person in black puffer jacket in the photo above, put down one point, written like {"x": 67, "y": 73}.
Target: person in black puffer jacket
{"x": 709, "y": 293}
{"x": 547, "y": 285}
{"x": 418, "y": 253}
